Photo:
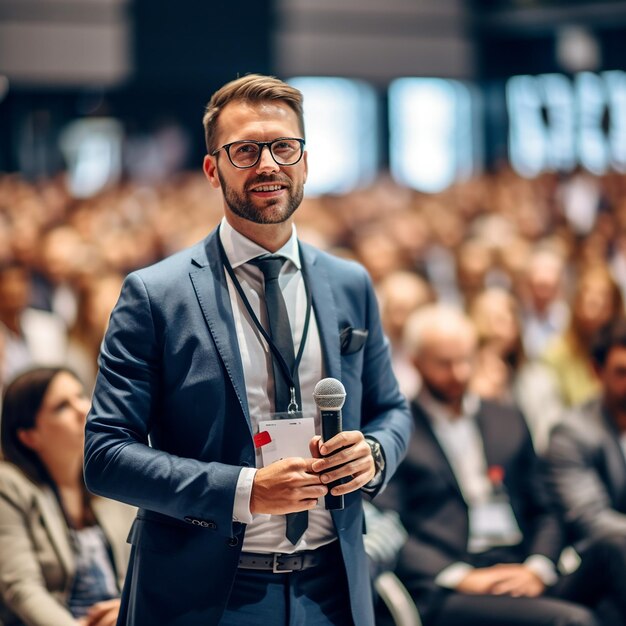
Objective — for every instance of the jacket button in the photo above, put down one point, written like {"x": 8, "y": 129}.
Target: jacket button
{"x": 232, "y": 541}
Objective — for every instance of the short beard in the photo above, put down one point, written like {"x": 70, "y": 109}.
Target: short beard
{"x": 239, "y": 205}
{"x": 440, "y": 395}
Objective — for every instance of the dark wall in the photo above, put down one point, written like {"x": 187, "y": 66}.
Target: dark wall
{"x": 185, "y": 43}
{"x": 182, "y": 51}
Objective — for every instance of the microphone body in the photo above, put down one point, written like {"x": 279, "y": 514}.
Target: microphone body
{"x": 330, "y": 395}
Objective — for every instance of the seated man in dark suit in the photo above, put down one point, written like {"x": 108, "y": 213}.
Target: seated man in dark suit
{"x": 483, "y": 540}
{"x": 587, "y": 452}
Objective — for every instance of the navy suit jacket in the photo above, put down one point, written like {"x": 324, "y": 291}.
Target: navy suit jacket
{"x": 169, "y": 429}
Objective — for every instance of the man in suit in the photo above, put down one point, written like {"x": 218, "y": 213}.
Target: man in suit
{"x": 195, "y": 364}
{"x": 483, "y": 541}
{"x": 586, "y": 456}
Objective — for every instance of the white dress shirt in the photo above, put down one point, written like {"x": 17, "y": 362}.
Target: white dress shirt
{"x": 266, "y": 533}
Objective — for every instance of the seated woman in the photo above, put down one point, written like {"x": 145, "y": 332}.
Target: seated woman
{"x": 63, "y": 552}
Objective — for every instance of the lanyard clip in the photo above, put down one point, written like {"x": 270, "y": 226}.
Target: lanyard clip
{"x": 293, "y": 405}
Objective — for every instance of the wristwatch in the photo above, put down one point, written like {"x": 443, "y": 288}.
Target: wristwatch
{"x": 377, "y": 454}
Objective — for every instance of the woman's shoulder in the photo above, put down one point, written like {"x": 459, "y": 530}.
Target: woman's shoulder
{"x": 14, "y": 484}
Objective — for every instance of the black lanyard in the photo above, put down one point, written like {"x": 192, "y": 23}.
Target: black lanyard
{"x": 289, "y": 375}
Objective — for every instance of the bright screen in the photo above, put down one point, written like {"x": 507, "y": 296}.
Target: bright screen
{"x": 432, "y": 131}
{"x": 341, "y": 121}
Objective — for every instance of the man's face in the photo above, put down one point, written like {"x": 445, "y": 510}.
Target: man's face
{"x": 445, "y": 364}
{"x": 14, "y": 291}
{"x": 613, "y": 377}
{"x": 267, "y": 193}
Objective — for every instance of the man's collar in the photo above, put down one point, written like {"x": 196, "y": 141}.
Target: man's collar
{"x": 240, "y": 249}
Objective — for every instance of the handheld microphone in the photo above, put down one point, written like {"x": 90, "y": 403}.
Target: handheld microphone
{"x": 329, "y": 395}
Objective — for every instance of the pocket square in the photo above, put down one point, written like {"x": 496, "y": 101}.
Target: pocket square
{"x": 352, "y": 339}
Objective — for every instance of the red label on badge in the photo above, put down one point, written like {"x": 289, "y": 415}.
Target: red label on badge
{"x": 261, "y": 439}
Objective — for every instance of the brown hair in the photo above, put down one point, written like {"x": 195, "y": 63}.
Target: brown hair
{"x": 22, "y": 400}
{"x": 250, "y": 88}
{"x": 575, "y": 333}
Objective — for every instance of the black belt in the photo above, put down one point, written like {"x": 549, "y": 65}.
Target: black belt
{"x": 285, "y": 563}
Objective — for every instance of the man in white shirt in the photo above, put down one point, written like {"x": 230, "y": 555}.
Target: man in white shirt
{"x": 483, "y": 538}
{"x": 204, "y": 352}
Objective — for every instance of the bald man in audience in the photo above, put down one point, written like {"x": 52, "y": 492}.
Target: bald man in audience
{"x": 483, "y": 539}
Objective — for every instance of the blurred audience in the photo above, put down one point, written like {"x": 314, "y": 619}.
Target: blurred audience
{"x": 96, "y": 300}
{"x": 63, "y": 551}
{"x": 503, "y": 373}
{"x": 483, "y": 539}
{"x": 544, "y": 308}
{"x": 535, "y": 238}
{"x": 28, "y": 336}
{"x": 401, "y": 293}
{"x": 597, "y": 301}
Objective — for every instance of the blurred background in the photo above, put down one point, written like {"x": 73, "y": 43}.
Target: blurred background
{"x": 455, "y": 147}
{"x": 122, "y": 83}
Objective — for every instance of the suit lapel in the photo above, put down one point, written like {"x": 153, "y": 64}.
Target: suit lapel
{"x": 54, "y": 522}
{"x": 211, "y": 288}
{"x": 435, "y": 455}
{"x": 491, "y": 437}
{"x": 615, "y": 461}
{"x": 325, "y": 310}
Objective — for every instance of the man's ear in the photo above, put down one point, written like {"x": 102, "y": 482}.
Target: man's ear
{"x": 209, "y": 167}
{"x": 29, "y": 437}
{"x": 306, "y": 165}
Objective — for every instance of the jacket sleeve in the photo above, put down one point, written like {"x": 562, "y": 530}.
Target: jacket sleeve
{"x": 22, "y": 585}
{"x": 578, "y": 488}
{"x": 386, "y": 415}
{"x": 542, "y": 528}
{"x": 119, "y": 462}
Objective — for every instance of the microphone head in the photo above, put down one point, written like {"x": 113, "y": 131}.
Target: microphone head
{"x": 329, "y": 394}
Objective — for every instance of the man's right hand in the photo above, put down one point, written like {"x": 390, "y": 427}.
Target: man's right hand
{"x": 286, "y": 486}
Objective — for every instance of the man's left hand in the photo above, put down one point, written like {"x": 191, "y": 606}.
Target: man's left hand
{"x": 345, "y": 455}
{"x": 517, "y": 580}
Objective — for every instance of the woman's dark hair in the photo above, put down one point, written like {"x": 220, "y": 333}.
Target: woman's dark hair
{"x": 612, "y": 335}
{"x": 22, "y": 401}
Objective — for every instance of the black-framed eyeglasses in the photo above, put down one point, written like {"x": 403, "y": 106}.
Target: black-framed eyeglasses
{"x": 246, "y": 153}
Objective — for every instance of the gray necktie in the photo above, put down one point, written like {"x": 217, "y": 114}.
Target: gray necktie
{"x": 280, "y": 332}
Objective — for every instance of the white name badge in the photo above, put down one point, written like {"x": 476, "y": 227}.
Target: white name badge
{"x": 286, "y": 438}
{"x": 493, "y": 523}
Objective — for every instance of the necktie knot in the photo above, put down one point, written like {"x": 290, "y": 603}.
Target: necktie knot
{"x": 269, "y": 265}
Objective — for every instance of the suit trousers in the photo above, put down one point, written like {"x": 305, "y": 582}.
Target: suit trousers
{"x": 317, "y": 596}
{"x": 593, "y": 595}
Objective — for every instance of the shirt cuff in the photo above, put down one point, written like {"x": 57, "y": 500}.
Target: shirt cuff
{"x": 377, "y": 480}
{"x": 451, "y": 576}
{"x": 543, "y": 567}
{"x": 243, "y": 492}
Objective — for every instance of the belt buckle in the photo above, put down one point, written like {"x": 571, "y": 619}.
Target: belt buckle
{"x": 276, "y": 564}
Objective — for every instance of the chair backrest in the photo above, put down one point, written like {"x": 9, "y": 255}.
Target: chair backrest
{"x": 397, "y": 600}
{"x": 384, "y": 540}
